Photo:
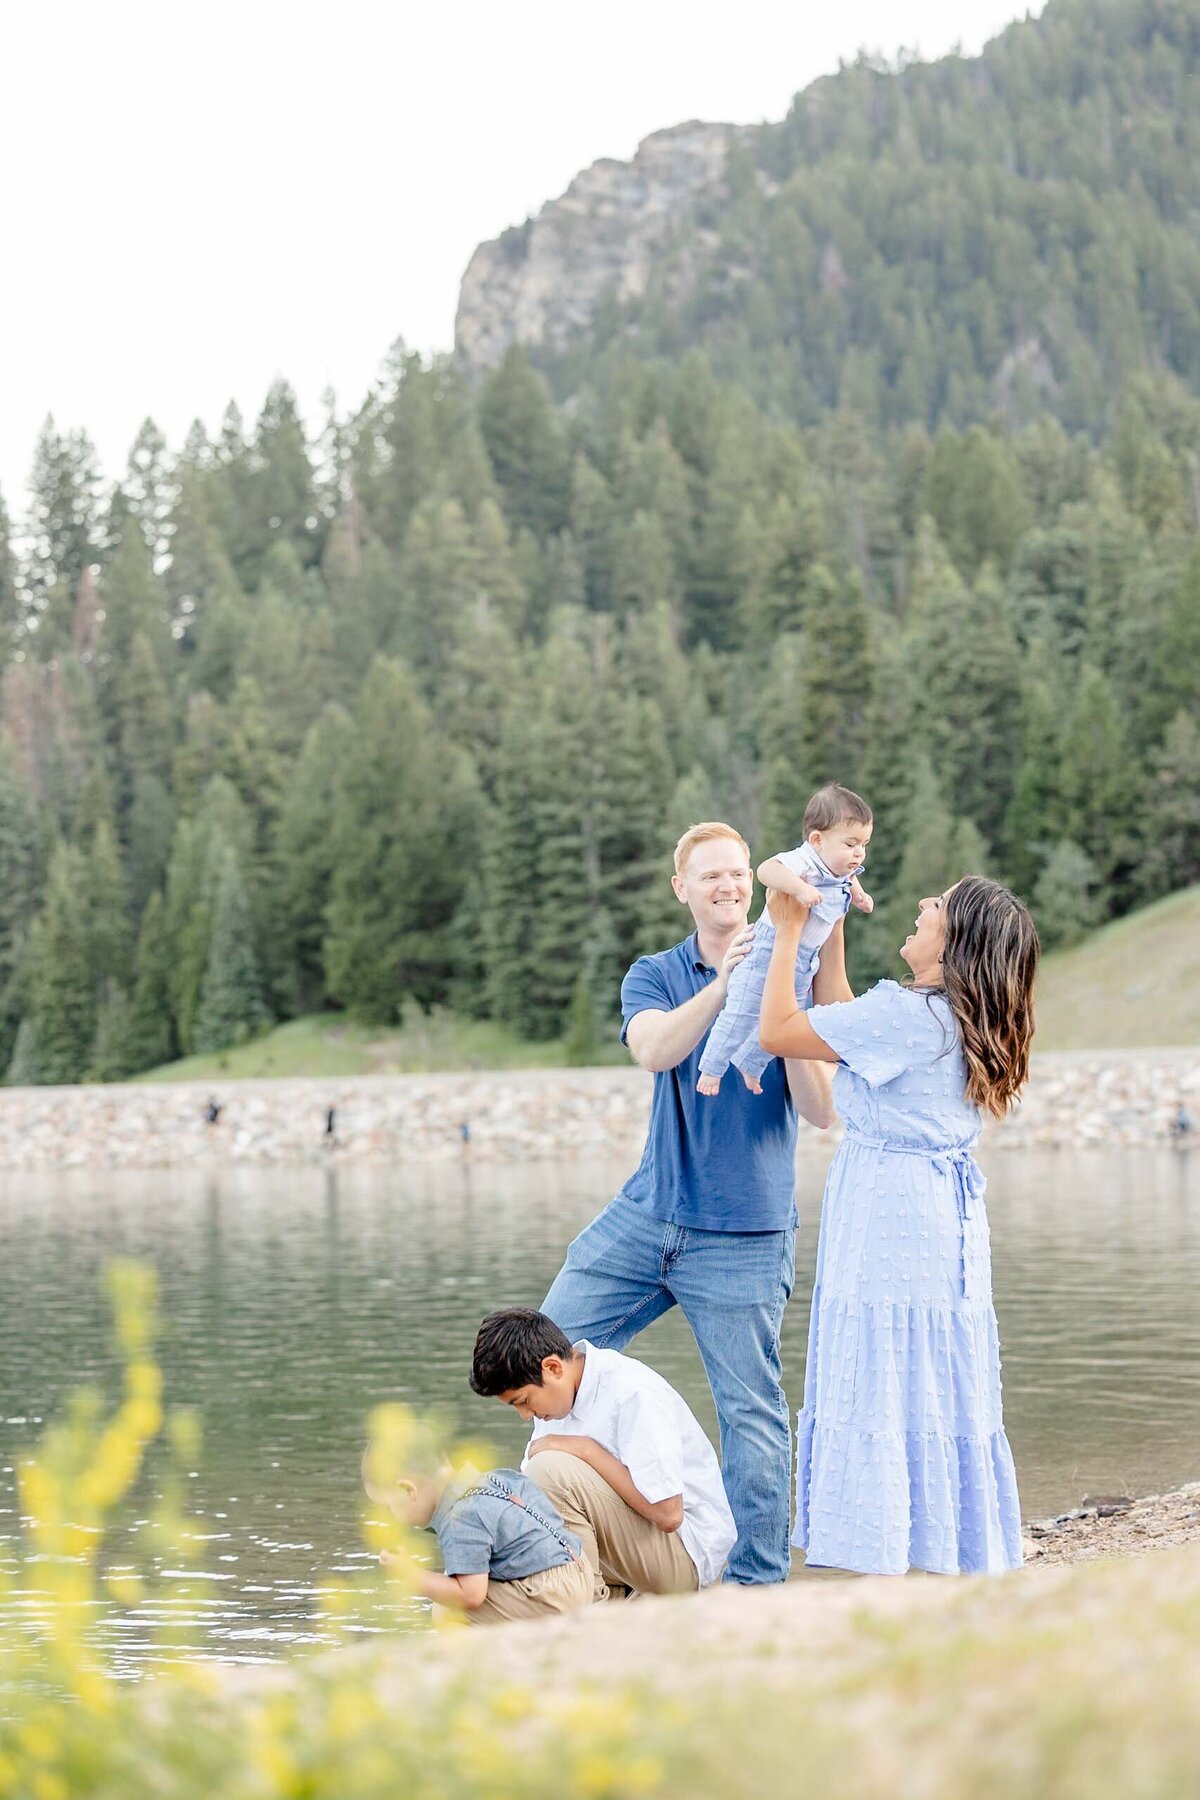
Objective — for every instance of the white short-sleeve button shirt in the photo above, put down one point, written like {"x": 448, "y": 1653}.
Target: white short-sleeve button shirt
{"x": 640, "y": 1419}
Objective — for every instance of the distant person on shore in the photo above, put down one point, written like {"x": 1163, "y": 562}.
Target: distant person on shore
{"x": 331, "y": 1125}
{"x": 707, "y": 1222}
{"x": 212, "y": 1112}
{"x": 902, "y": 1460}
{"x": 1181, "y": 1123}
{"x": 823, "y": 873}
{"x": 616, "y": 1449}
{"x": 506, "y": 1553}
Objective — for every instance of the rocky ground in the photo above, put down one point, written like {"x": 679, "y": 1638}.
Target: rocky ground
{"x": 1109, "y": 1097}
{"x": 1115, "y": 1525}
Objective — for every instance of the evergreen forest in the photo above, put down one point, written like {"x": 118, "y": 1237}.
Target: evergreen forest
{"x": 893, "y": 477}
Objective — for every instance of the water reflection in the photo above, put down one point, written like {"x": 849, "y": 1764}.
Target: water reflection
{"x": 296, "y": 1300}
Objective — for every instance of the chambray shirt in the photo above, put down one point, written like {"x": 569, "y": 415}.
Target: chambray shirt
{"x": 725, "y": 1163}
{"x": 482, "y": 1533}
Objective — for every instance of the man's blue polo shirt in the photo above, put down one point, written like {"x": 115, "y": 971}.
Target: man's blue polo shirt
{"x": 721, "y": 1164}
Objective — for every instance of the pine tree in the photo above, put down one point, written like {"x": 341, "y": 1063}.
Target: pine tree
{"x": 525, "y": 444}
{"x": 62, "y": 1007}
{"x": 11, "y": 609}
{"x": 231, "y": 1007}
{"x": 1033, "y": 816}
{"x": 282, "y": 495}
{"x": 1066, "y": 900}
{"x": 581, "y": 1040}
{"x": 1095, "y": 775}
{"x": 306, "y": 854}
{"x": 970, "y": 678}
{"x": 22, "y": 868}
{"x": 151, "y": 490}
{"x": 1172, "y": 809}
{"x": 405, "y": 824}
{"x": 109, "y": 1056}
{"x": 23, "y": 1069}
{"x": 64, "y": 518}
{"x": 149, "y": 830}
{"x": 149, "y": 1041}
{"x": 836, "y": 678}
{"x": 107, "y": 921}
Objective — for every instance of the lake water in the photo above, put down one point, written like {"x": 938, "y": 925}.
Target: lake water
{"x": 298, "y": 1299}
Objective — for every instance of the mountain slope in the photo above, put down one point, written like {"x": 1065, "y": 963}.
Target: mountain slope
{"x": 1018, "y": 231}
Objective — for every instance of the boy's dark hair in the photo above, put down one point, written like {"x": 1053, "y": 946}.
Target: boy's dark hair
{"x": 511, "y": 1347}
{"x": 831, "y": 804}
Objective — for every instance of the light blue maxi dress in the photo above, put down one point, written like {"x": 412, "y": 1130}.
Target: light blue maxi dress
{"x": 902, "y": 1461}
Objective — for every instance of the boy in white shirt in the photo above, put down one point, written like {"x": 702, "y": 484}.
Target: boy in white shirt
{"x": 616, "y": 1449}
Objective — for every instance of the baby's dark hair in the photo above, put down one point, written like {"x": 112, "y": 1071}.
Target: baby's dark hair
{"x": 831, "y": 804}
{"x": 511, "y": 1347}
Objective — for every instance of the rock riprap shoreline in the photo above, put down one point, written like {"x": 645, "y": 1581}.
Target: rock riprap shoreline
{"x": 1114, "y": 1097}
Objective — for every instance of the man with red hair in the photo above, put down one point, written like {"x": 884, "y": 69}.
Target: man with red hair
{"x": 707, "y": 1221}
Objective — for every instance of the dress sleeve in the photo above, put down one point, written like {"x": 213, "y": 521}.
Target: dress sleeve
{"x": 879, "y": 1035}
{"x": 643, "y": 990}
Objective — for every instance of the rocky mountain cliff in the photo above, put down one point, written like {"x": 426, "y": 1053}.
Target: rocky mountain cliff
{"x": 922, "y": 242}
{"x": 542, "y": 281}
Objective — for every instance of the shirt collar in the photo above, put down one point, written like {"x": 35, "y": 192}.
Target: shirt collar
{"x": 698, "y": 962}
{"x": 586, "y": 1392}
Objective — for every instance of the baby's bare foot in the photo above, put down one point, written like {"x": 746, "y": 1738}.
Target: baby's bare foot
{"x": 709, "y": 1085}
{"x": 753, "y": 1083}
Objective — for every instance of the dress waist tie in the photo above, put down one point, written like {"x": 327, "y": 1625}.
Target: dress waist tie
{"x": 970, "y": 1185}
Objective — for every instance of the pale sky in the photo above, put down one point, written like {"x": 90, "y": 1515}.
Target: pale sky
{"x": 197, "y": 199}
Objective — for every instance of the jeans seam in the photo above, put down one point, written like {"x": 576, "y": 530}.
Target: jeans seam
{"x": 633, "y": 1312}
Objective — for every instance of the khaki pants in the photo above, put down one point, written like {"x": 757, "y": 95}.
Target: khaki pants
{"x": 619, "y": 1544}
{"x": 550, "y": 1591}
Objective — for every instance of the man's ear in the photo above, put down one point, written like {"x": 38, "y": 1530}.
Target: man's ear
{"x": 678, "y": 889}
{"x": 552, "y": 1366}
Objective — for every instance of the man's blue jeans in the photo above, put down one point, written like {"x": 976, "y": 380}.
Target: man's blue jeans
{"x": 627, "y": 1269}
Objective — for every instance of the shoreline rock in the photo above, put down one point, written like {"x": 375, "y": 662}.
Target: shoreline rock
{"x": 1106, "y": 1098}
{"x": 1115, "y": 1525}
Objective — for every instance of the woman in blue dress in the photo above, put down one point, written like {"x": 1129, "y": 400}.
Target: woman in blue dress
{"x": 902, "y": 1461}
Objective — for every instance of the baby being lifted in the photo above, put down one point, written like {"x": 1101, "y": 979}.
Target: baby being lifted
{"x": 823, "y": 873}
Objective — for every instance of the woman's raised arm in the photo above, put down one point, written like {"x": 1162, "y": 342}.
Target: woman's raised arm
{"x": 783, "y": 1029}
{"x": 831, "y": 983}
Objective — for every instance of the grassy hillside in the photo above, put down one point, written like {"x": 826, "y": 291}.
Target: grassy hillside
{"x": 331, "y": 1044}
{"x": 1133, "y": 983}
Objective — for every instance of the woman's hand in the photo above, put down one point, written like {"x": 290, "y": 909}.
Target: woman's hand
{"x": 787, "y": 913}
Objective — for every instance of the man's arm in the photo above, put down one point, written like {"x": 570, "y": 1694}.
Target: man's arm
{"x": 830, "y": 984}
{"x": 661, "y": 1040}
{"x": 811, "y": 1085}
{"x": 666, "y": 1514}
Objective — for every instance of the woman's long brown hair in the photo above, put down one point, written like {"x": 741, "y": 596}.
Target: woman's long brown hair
{"x": 989, "y": 960}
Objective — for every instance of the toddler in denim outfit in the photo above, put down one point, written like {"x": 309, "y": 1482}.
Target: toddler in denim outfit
{"x": 823, "y": 872}
{"x": 506, "y": 1553}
